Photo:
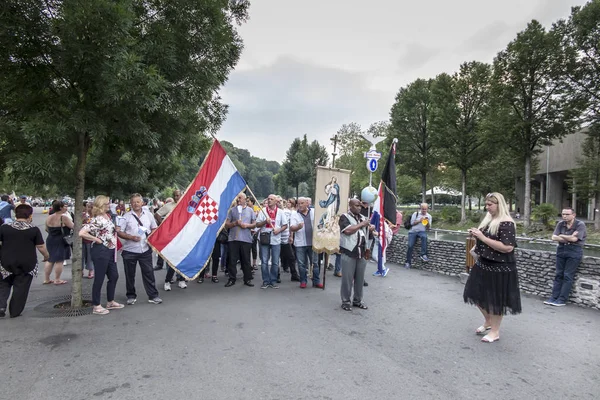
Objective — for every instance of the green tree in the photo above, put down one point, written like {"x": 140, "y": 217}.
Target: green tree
{"x": 299, "y": 166}
{"x": 460, "y": 103}
{"x": 411, "y": 118}
{"x": 587, "y": 176}
{"x": 352, "y": 147}
{"x": 111, "y": 93}
{"x": 533, "y": 101}
{"x": 294, "y": 171}
{"x": 314, "y": 155}
{"x": 580, "y": 38}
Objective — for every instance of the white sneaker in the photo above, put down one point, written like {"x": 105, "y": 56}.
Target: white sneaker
{"x": 167, "y": 287}
{"x": 182, "y": 284}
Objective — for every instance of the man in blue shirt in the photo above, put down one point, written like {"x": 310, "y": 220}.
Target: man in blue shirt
{"x": 570, "y": 234}
{"x": 421, "y": 223}
{"x": 6, "y": 206}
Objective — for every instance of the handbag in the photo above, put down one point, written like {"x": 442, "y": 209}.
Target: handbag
{"x": 140, "y": 223}
{"x": 223, "y": 237}
{"x": 265, "y": 238}
{"x": 68, "y": 238}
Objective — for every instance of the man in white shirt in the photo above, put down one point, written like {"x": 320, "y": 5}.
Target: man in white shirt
{"x": 272, "y": 222}
{"x": 136, "y": 225}
{"x": 160, "y": 215}
{"x": 301, "y": 224}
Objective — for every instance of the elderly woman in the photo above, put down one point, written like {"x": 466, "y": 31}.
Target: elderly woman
{"x": 101, "y": 231}
{"x": 57, "y": 225}
{"x": 493, "y": 284}
{"x": 18, "y": 260}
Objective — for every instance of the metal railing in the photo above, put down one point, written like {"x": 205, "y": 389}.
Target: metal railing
{"x": 521, "y": 238}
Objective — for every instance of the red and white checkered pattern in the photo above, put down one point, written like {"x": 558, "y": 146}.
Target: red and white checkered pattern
{"x": 208, "y": 210}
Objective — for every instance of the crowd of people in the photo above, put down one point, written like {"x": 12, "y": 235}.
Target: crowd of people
{"x": 279, "y": 233}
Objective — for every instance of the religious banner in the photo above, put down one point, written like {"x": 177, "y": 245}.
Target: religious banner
{"x": 332, "y": 191}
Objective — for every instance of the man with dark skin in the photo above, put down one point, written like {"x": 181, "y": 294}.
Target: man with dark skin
{"x": 355, "y": 229}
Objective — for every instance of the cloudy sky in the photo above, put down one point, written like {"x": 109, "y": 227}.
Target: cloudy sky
{"x": 310, "y": 66}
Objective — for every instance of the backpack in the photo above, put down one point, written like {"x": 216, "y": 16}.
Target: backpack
{"x": 407, "y": 224}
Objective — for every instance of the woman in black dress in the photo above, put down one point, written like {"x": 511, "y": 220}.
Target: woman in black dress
{"x": 57, "y": 226}
{"x": 493, "y": 284}
{"x": 18, "y": 259}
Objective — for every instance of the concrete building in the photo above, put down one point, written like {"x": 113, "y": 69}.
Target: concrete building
{"x": 550, "y": 180}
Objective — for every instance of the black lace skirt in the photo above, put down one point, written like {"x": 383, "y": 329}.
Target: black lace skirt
{"x": 494, "y": 287}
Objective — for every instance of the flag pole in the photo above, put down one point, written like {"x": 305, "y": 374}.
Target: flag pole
{"x": 325, "y": 265}
{"x": 256, "y": 201}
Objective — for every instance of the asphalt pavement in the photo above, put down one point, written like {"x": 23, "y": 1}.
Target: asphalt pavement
{"x": 416, "y": 340}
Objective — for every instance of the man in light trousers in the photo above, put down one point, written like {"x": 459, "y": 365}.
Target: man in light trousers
{"x": 354, "y": 229}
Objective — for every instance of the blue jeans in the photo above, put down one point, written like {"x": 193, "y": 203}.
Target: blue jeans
{"x": 412, "y": 239}
{"x": 269, "y": 276}
{"x": 338, "y": 263}
{"x": 568, "y": 258}
{"x": 304, "y": 256}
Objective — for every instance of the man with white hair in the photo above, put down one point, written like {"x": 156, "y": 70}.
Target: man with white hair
{"x": 240, "y": 222}
{"x": 301, "y": 223}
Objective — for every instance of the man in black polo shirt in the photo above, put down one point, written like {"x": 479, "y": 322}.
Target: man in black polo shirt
{"x": 570, "y": 234}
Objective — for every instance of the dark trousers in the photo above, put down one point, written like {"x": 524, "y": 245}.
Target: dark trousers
{"x": 19, "y": 283}
{"x": 239, "y": 251}
{"x": 171, "y": 273}
{"x": 160, "y": 262}
{"x": 254, "y": 246}
{"x": 216, "y": 255}
{"x": 568, "y": 258}
{"x": 130, "y": 260}
{"x": 104, "y": 265}
{"x": 288, "y": 262}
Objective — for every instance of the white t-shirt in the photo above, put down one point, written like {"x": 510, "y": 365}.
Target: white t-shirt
{"x": 279, "y": 222}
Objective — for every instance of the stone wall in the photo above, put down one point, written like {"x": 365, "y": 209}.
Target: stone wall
{"x": 536, "y": 268}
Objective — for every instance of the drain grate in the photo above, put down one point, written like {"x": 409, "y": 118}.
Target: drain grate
{"x": 60, "y": 307}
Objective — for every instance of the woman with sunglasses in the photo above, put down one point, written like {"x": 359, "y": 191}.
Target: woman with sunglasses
{"x": 493, "y": 284}
{"x": 101, "y": 231}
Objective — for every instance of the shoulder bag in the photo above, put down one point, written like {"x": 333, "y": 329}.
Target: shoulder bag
{"x": 68, "y": 238}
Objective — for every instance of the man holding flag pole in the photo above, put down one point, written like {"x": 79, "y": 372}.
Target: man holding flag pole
{"x": 384, "y": 211}
{"x": 181, "y": 239}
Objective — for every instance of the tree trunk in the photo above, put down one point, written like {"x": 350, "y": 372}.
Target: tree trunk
{"x": 527, "y": 197}
{"x": 423, "y": 188}
{"x": 463, "y": 198}
{"x": 432, "y": 198}
{"x": 76, "y": 267}
{"x": 596, "y": 214}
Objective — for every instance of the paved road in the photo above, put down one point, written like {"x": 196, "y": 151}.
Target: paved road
{"x": 209, "y": 342}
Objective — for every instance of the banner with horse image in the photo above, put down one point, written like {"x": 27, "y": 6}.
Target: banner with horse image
{"x": 332, "y": 191}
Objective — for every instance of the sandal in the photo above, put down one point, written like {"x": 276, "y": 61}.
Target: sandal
{"x": 214, "y": 279}
{"x": 114, "y": 306}
{"x": 99, "y": 310}
{"x": 346, "y": 307}
{"x": 486, "y": 339}
{"x": 47, "y": 282}
{"x": 362, "y": 306}
{"x": 482, "y": 329}
{"x": 60, "y": 282}
{"x": 200, "y": 280}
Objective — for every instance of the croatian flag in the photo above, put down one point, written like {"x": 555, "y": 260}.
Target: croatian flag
{"x": 186, "y": 238}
